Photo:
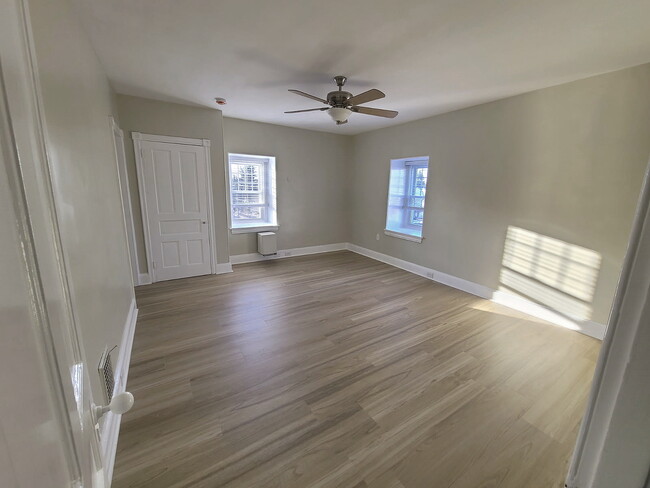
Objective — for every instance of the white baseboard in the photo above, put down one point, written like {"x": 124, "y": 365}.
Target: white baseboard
{"x": 144, "y": 279}
{"x": 286, "y": 253}
{"x": 432, "y": 274}
{"x": 111, "y": 426}
{"x": 222, "y": 268}
{"x": 521, "y": 304}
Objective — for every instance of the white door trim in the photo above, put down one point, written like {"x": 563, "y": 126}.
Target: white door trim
{"x": 125, "y": 194}
{"x": 138, "y": 138}
{"x": 604, "y": 450}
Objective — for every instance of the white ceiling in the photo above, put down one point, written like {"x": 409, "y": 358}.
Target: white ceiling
{"x": 428, "y": 56}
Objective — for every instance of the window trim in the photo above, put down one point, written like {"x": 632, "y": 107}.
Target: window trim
{"x": 412, "y": 162}
{"x": 406, "y": 237}
{"x": 270, "y": 195}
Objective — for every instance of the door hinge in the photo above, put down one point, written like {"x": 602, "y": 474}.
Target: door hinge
{"x": 142, "y": 153}
{"x": 153, "y": 263}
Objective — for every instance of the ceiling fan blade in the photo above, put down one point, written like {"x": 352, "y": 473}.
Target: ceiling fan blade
{"x": 307, "y": 110}
{"x": 379, "y": 112}
{"x": 367, "y": 96}
{"x": 298, "y": 92}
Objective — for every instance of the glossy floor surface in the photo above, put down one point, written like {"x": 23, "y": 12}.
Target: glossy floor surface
{"x": 335, "y": 370}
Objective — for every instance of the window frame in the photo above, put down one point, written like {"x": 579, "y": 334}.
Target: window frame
{"x": 268, "y": 192}
{"x": 407, "y": 229}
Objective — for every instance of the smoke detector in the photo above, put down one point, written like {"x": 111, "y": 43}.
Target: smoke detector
{"x": 220, "y": 101}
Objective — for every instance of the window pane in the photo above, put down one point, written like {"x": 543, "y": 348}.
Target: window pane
{"x": 406, "y": 196}
{"x": 246, "y": 177}
{"x": 416, "y": 217}
{"x": 247, "y": 213}
{"x": 252, "y": 190}
{"x": 416, "y": 202}
{"x": 419, "y": 182}
{"x": 242, "y": 198}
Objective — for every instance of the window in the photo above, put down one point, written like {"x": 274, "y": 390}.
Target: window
{"x": 252, "y": 193}
{"x": 407, "y": 189}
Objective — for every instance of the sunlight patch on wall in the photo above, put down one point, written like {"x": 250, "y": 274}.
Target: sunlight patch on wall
{"x": 550, "y": 272}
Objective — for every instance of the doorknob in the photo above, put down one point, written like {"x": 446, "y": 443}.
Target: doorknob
{"x": 204, "y": 222}
{"x": 121, "y": 403}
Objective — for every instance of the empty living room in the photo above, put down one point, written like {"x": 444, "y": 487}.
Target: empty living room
{"x": 303, "y": 244}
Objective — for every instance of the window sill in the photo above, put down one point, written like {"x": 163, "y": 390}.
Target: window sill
{"x": 406, "y": 237}
{"x": 252, "y": 229}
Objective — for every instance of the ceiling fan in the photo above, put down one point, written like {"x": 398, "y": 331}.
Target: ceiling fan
{"x": 341, "y": 103}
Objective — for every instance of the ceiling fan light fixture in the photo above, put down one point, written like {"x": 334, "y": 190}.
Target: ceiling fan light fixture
{"x": 339, "y": 114}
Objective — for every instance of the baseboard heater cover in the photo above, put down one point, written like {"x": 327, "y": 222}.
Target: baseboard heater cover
{"x": 267, "y": 243}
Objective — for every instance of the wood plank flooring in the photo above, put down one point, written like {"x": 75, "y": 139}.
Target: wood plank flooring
{"x": 335, "y": 370}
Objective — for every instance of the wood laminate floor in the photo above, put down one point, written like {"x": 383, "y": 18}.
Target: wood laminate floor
{"x": 335, "y": 370}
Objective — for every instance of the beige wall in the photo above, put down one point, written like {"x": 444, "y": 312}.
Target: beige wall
{"x": 77, "y": 104}
{"x": 172, "y": 119}
{"x": 565, "y": 161}
{"x": 313, "y": 176}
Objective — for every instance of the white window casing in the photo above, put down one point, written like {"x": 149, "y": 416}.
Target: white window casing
{"x": 406, "y": 198}
{"x": 252, "y": 192}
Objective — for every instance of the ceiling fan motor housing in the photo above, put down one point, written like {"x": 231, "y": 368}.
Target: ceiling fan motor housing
{"x": 338, "y": 98}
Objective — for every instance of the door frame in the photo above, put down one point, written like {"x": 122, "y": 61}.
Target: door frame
{"x": 138, "y": 138}
{"x": 125, "y": 194}
{"x": 615, "y": 419}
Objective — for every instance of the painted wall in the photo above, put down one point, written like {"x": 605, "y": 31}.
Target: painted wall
{"x": 565, "y": 161}
{"x": 313, "y": 176}
{"x": 77, "y": 103}
{"x": 171, "y": 119}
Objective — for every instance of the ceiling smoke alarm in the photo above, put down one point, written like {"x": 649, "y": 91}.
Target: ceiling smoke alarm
{"x": 220, "y": 101}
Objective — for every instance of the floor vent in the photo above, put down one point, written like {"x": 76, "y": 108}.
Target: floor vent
{"x": 106, "y": 374}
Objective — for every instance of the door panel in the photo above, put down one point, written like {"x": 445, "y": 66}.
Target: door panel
{"x": 48, "y": 436}
{"x": 176, "y": 198}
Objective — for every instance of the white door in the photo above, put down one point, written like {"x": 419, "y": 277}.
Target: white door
{"x": 48, "y": 436}
{"x": 175, "y": 187}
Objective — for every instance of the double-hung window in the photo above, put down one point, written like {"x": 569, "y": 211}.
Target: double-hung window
{"x": 407, "y": 190}
{"x": 252, "y": 192}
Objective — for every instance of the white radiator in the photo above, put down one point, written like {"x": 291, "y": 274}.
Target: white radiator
{"x": 267, "y": 243}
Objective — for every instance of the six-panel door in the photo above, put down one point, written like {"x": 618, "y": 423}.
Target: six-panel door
{"x": 176, "y": 194}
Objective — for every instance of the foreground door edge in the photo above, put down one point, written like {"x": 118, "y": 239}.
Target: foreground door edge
{"x": 51, "y": 398}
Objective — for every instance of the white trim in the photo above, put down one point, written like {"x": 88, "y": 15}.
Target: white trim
{"x": 400, "y": 235}
{"x": 249, "y": 230}
{"x": 271, "y": 173}
{"x": 188, "y": 141}
{"x": 138, "y": 138}
{"x": 515, "y": 302}
{"x": 285, "y": 253}
{"x": 110, "y": 430}
{"x": 521, "y": 304}
{"x": 607, "y": 447}
{"x": 420, "y": 161}
{"x": 211, "y": 218}
{"x": 125, "y": 195}
{"x": 144, "y": 279}
{"x": 223, "y": 268}
{"x": 432, "y": 274}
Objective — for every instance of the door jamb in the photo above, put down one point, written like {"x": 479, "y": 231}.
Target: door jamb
{"x": 628, "y": 313}
{"x": 138, "y": 138}
{"x": 125, "y": 194}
